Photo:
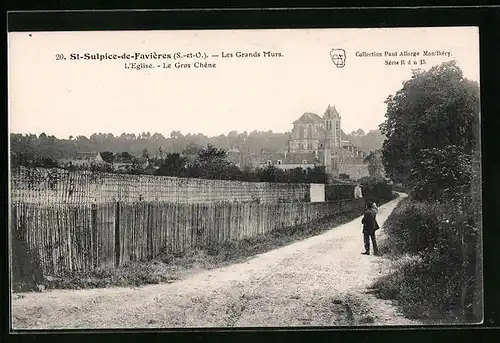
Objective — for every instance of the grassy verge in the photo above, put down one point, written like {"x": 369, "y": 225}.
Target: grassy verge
{"x": 168, "y": 267}
{"x": 433, "y": 278}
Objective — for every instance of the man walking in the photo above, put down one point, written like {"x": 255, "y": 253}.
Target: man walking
{"x": 370, "y": 225}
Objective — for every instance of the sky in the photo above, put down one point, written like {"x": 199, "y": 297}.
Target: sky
{"x": 82, "y": 97}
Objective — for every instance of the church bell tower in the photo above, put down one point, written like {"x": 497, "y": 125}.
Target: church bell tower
{"x": 332, "y": 126}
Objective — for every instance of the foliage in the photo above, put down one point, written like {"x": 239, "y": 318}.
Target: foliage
{"x": 108, "y": 156}
{"x": 369, "y": 141}
{"x": 434, "y": 109}
{"x": 375, "y": 165}
{"x": 444, "y": 236}
{"x": 192, "y": 149}
{"x": 297, "y": 175}
{"x": 211, "y": 163}
{"x": 125, "y": 156}
{"x": 344, "y": 176}
{"x": 317, "y": 175}
{"x": 441, "y": 172}
{"x": 376, "y": 188}
{"x": 339, "y": 191}
{"x": 134, "y": 169}
{"x": 31, "y": 161}
{"x": 173, "y": 165}
{"x": 157, "y": 144}
{"x": 103, "y": 168}
{"x": 431, "y": 131}
{"x": 26, "y": 268}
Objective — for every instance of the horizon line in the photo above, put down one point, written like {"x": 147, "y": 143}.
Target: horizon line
{"x": 168, "y": 135}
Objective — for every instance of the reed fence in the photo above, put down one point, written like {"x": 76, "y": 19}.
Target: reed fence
{"x": 83, "y": 237}
{"x": 52, "y": 186}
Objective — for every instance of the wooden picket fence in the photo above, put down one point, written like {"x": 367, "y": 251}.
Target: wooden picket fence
{"x": 82, "y": 237}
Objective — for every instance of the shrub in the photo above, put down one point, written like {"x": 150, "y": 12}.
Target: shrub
{"x": 444, "y": 236}
{"x": 376, "y": 188}
{"x": 339, "y": 192}
{"x": 398, "y": 187}
{"x": 26, "y": 269}
{"x": 440, "y": 172}
{"x": 411, "y": 227}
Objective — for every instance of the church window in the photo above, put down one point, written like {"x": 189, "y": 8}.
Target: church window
{"x": 280, "y": 162}
{"x": 301, "y": 146}
{"x": 309, "y": 132}
{"x": 309, "y": 146}
{"x": 269, "y": 163}
{"x": 301, "y": 132}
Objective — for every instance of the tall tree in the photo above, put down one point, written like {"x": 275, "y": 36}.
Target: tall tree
{"x": 434, "y": 109}
{"x": 211, "y": 163}
{"x": 174, "y": 165}
{"x": 375, "y": 164}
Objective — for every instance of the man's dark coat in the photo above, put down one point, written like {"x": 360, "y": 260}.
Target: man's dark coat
{"x": 369, "y": 222}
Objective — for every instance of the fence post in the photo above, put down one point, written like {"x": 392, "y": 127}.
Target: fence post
{"x": 94, "y": 236}
{"x": 117, "y": 234}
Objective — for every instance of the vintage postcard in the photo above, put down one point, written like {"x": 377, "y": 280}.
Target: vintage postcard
{"x": 245, "y": 178}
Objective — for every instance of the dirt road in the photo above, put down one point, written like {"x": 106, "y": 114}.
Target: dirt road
{"x": 319, "y": 281}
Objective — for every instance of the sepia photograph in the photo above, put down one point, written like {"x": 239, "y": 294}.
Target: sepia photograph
{"x": 245, "y": 178}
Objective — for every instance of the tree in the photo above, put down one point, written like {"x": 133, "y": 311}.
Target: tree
{"x": 317, "y": 175}
{"x": 434, "y": 109}
{"x": 372, "y": 140}
{"x": 44, "y": 162}
{"x": 108, "y": 156}
{"x": 270, "y": 174}
{"x": 126, "y": 156}
{"x": 174, "y": 165}
{"x": 375, "y": 164}
{"x": 145, "y": 153}
{"x": 192, "y": 149}
{"x": 211, "y": 163}
{"x": 440, "y": 172}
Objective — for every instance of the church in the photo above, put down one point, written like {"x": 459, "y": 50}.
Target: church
{"x": 313, "y": 141}
{"x": 323, "y": 137}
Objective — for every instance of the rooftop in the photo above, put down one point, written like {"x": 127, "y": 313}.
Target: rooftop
{"x": 309, "y": 117}
{"x": 331, "y": 112}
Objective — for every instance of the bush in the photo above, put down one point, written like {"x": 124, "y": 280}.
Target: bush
{"x": 440, "y": 172}
{"x": 26, "y": 269}
{"x": 411, "y": 227}
{"x": 376, "y": 189}
{"x": 398, "y": 187}
{"x": 423, "y": 291}
{"x": 444, "y": 237}
{"x": 339, "y": 192}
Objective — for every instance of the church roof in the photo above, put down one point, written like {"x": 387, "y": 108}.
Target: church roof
{"x": 331, "y": 112}
{"x": 309, "y": 117}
